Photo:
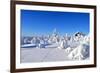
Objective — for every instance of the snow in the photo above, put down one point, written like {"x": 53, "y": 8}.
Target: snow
{"x": 28, "y": 45}
{"x": 42, "y": 55}
{"x": 56, "y": 48}
{"x": 79, "y": 53}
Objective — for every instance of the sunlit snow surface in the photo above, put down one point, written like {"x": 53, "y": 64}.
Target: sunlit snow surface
{"x": 55, "y": 48}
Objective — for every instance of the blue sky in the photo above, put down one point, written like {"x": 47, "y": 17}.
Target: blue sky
{"x": 44, "y": 22}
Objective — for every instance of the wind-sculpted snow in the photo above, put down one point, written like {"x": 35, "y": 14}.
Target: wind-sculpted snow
{"x": 79, "y": 48}
{"x": 75, "y": 47}
{"x": 81, "y": 52}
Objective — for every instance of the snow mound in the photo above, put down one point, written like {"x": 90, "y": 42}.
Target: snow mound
{"x": 81, "y": 52}
{"x": 78, "y": 47}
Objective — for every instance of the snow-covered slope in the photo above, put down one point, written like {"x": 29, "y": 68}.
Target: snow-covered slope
{"x": 74, "y": 47}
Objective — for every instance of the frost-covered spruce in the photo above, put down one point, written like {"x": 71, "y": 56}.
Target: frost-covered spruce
{"x": 79, "y": 36}
{"x": 63, "y": 44}
{"x": 79, "y": 53}
{"x": 68, "y": 50}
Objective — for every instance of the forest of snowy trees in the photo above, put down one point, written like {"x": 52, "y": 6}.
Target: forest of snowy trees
{"x": 76, "y": 45}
